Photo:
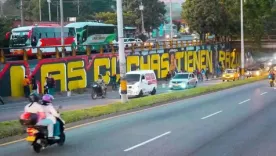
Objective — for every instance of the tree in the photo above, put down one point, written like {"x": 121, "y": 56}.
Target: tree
{"x": 258, "y": 14}
{"x": 203, "y": 16}
{"x": 111, "y": 18}
{"x": 5, "y": 25}
{"x": 154, "y": 12}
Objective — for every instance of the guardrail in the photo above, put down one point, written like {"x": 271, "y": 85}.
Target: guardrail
{"x": 108, "y": 48}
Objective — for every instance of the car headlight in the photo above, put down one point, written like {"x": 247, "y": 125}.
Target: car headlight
{"x": 183, "y": 85}
{"x": 223, "y": 75}
{"x": 167, "y": 36}
{"x": 258, "y": 73}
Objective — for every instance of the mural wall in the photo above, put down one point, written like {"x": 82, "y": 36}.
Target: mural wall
{"x": 78, "y": 72}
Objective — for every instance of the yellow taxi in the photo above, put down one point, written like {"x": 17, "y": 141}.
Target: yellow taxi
{"x": 230, "y": 74}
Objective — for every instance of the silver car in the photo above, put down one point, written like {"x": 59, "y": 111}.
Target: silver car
{"x": 183, "y": 81}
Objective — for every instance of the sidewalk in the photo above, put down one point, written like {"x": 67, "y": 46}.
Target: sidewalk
{"x": 60, "y": 96}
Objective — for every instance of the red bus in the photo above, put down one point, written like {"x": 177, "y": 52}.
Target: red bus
{"x": 44, "y": 37}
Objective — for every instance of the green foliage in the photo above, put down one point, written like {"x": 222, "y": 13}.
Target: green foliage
{"x": 222, "y": 17}
{"x": 111, "y": 18}
{"x": 5, "y": 25}
{"x": 154, "y": 12}
{"x": 12, "y": 128}
{"x": 203, "y": 16}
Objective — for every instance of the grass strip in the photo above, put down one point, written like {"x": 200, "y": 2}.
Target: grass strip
{"x": 13, "y": 128}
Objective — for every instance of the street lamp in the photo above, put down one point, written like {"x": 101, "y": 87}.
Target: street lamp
{"x": 242, "y": 41}
{"x": 122, "y": 57}
{"x": 49, "y": 7}
{"x": 171, "y": 19}
{"x": 141, "y": 8}
{"x": 62, "y": 25}
{"x": 39, "y": 5}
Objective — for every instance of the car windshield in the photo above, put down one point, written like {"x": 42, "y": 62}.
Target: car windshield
{"x": 133, "y": 77}
{"x": 230, "y": 71}
{"x": 181, "y": 76}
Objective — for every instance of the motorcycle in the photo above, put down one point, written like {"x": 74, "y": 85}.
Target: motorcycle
{"x": 271, "y": 82}
{"x": 38, "y": 135}
{"x": 97, "y": 91}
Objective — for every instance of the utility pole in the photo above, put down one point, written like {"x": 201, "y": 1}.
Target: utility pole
{"x": 141, "y": 7}
{"x": 242, "y": 41}
{"x": 57, "y": 12}
{"x": 122, "y": 57}
{"x": 22, "y": 12}
{"x": 40, "y": 18}
{"x": 1, "y": 9}
{"x": 49, "y": 7}
{"x": 171, "y": 19}
{"x": 78, "y": 7}
{"x": 62, "y": 25}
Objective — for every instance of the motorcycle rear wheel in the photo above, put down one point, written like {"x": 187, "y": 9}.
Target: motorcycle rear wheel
{"x": 62, "y": 139}
{"x": 37, "y": 148}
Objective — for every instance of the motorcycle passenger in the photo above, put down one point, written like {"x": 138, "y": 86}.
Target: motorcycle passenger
{"x": 272, "y": 76}
{"x": 34, "y": 107}
{"x": 51, "y": 115}
{"x": 100, "y": 81}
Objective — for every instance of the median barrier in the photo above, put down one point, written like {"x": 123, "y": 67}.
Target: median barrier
{"x": 13, "y": 128}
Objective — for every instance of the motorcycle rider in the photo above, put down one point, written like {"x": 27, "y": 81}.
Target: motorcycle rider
{"x": 272, "y": 76}
{"x": 100, "y": 81}
{"x": 51, "y": 115}
{"x": 34, "y": 107}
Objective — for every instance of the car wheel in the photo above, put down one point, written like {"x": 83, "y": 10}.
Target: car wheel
{"x": 153, "y": 92}
{"x": 223, "y": 80}
{"x": 141, "y": 94}
{"x": 195, "y": 84}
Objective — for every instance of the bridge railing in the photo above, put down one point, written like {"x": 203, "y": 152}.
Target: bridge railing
{"x": 69, "y": 50}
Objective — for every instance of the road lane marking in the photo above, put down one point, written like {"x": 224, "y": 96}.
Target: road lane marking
{"x": 211, "y": 115}
{"x": 264, "y": 93}
{"x": 148, "y": 141}
{"x": 244, "y": 101}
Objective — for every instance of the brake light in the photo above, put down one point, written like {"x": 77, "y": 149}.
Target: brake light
{"x": 31, "y": 131}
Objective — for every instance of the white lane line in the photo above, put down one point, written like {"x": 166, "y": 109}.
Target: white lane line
{"x": 263, "y": 93}
{"x": 244, "y": 101}
{"x": 143, "y": 143}
{"x": 211, "y": 115}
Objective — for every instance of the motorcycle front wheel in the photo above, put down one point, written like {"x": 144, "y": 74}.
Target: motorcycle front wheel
{"x": 94, "y": 95}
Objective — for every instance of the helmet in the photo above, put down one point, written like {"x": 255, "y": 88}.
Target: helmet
{"x": 47, "y": 98}
{"x": 34, "y": 97}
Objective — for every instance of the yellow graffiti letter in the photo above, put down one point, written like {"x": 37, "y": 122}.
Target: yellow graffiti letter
{"x": 76, "y": 75}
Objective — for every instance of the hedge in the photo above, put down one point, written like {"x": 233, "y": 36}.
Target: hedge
{"x": 13, "y": 128}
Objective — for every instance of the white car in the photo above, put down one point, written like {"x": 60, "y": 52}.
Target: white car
{"x": 141, "y": 82}
{"x": 128, "y": 42}
{"x": 183, "y": 81}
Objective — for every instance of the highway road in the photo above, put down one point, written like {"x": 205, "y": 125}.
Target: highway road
{"x": 235, "y": 122}
{"x": 13, "y": 110}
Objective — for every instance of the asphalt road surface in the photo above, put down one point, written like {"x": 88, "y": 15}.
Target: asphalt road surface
{"x": 14, "y": 110}
{"x": 235, "y": 122}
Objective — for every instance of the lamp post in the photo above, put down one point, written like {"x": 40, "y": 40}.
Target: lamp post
{"x": 122, "y": 57}
{"x": 242, "y": 41}
{"x": 22, "y": 13}
{"x": 171, "y": 19}
{"x": 141, "y": 8}
{"x": 62, "y": 24}
{"x": 49, "y": 7}
{"x": 39, "y": 5}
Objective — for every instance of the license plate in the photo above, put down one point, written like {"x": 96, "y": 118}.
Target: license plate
{"x": 176, "y": 85}
{"x": 30, "y": 138}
